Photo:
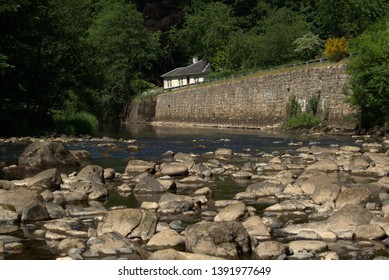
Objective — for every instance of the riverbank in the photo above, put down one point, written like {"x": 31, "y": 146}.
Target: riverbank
{"x": 307, "y": 200}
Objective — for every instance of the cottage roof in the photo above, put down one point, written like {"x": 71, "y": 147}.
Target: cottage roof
{"x": 201, "y": 67}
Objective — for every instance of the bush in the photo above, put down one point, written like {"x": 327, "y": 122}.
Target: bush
{"x": 336, "y": 49}
{"x": 302, "y": 120}
{"x": 79, "y": 123}
{"x": 293, "y": 107}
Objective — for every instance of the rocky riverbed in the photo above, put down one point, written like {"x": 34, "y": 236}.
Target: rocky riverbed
{"x": 308, "y": 202}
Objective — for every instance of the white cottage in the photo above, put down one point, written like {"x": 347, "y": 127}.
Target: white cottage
{"x": 188, "y": 75}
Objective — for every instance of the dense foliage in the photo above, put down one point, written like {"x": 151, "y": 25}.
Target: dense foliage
{"x": 370, "y": 75}
{"x": 61, "y": 57}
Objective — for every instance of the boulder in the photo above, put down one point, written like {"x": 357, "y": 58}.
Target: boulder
{"x": 110, "y": 243}
{"x": 175, "y": 204}
{"x": 223, "y": 152}
{"x": 256, "y": 228}
{"x": 369, "y": 231}
{"x": 349, "y": 217}
{"x": 148, "y": 184}
{"x": 354, "y": 195}
{"x": 91, "y": 173}
{"x": 6, "y": 185}
{"x": 325, "y": 192}
{"x": 222, "y": 239}
{"x": 265, "y": 188}
{"x": 8, "y": 214}
{"x": 174, "y": 169}
{"x": 109, "y": 173}
{"x": 233, "y": 212}
{"x": 18, "y": 197}
{"x": 34, "y": 211}
{"x": 269, "y": 250}
{"x": 130, "y": 223}
{"x": 140, "y": 166}
{"x": 47, "y": 155}
{"x": 324, "y": 165}
{"x": 307, "y": 245}
{"x": 50, "y": 178}
{"x": 165, "y": 239}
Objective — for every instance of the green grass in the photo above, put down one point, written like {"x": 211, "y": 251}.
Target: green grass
{"x": 302, "y": 120}
{"x": 77, "y": 124}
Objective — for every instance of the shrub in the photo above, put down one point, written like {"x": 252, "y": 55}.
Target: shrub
{"x": 79, "y": 123}
{"x": 313, "y": 103}
{"x": 308, "y": 46}
{"x": 293, "y": 107}
{"x": 302, "y": 120}
{"x": 336, "y": 49}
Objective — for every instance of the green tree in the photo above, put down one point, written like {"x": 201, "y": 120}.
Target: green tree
{"x": 41, "y": 50}
{"x": 206, "y": 30}
{"x": 369, "y": 70}
{"x": 124, "y": 49}
{"x": 337, "y": 18}
{"x": 308, "y": 46}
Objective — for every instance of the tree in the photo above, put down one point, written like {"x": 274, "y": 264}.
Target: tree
{"x": 337, "y": 18}
{"x": 124, "y": 49}
{"x": 336, "y": 49}
{"x": 308, "y": 46}
{"x": 41, "y": 60}
{"x": 206, "y": 30}
{"x": 369, "y": 70}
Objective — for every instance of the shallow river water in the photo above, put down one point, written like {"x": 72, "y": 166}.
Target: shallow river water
{"x": 152, "y": 142}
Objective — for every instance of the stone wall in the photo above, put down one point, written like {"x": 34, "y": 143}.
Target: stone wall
{"x": 257, "y": 101}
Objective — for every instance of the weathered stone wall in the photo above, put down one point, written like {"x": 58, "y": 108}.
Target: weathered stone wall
{"x": 257, "y": 101}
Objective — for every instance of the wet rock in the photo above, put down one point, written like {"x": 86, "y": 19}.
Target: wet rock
{"x": 110, "y": 243}
{"x": 81, "y": 155}
{"x": 174, "y": 169}
{"x": 182, "y": 157}
{"x": 140, "y": 166}
{"x": 148, "y": 184}
{"x": 354, "y": 195}
{"x": 242, "y": 175}
{"x": 171, "y": 254}
{"x": 265, "y": 188}
{"x": 307, "y": 245}
{"x": 91, "y": 173}
{"x": 233, "y": 212}
{"x": 221, "y": 239}
{"x": 75, "y": 254}
{"x": 174, "y": 204}
{"x": 8, "y": 214}
{"x": 269, "y": 250}
{"x": 166, "y": 239}
{"x": 204, "y": 191}
{"x": 369, "y": 231}
{"x": 47, "y": 155}
{"x": 291, "y": 205}
{"x": 14, "y": 248}
{"x": 256, "y": 228}
{"x": 324, "y": 165}
{"x": 130, "y": 223}
{"x": 97, "y": 191}
{"x": 349, "y": 217}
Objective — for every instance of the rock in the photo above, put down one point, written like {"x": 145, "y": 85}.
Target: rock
{"x": 148, "y": 184}
{"x": 151, "y": 206}
{"x": 130, "y": 223}
{"x": 233, "y": 212}
{"x": 47, "y": 155}
{"x": 75, "y": 254}
{"x": 19, "y": 198}
{"x": 291, "y": 205}
{"x": 307, "y": 245}
{"x": 110, "y": 243}
{"x": 309, "y": 234}
{"x": 91, "y": 173}
{"x": 97, "y": 191}
{"x": 166, "y": 239}
{"x": 50, "y": 179}
{"x": 55, "y": 210}
{"x": 34, "y": 211}
{"x": 349, "y": 217}
{"x": 369, "y": 231}
{"x": 329, "y": 256}
{"x": 325, "y": 192}
{"x": 223, "y": 152}
{"x": 352, "y": 149}
{"x": 324, "y": 165}
{"x": 68, "y": 243}
{"x": 109, "y": 173}
{"x": 242, "y": 175}
{"x": 1, "y": 247}
{"x": 256, "y": 228}
{"x": 182, "y": 157}
{"x": 222, "y": 239}
{"x": 81, "y": 155}
{"x": 174, "y": 169}
{"x": 6, "y": 185}
{"x": 354, "y": 195}
{"x": 204, "y": 191}
{"x": 13, "y": 248}
{"x": 309, "y": 185}
{"x": 8, "y": 214}
{"x": 174, "y": 204}
{"x": 265, "y": 188}
{"x": 140, "y": 166}
{"x": 269, "y": 250}
{"x": 167, "y": 254}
